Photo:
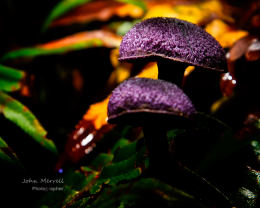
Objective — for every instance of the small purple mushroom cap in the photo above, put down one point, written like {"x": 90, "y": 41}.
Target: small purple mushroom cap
{"x": 138, "y": 96}
{"x": 172, "y": 39}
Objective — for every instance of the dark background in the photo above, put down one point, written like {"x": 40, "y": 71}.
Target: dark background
{"x": 21, "y": 22}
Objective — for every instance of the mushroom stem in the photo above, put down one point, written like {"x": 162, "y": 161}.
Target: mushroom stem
{"x": 171, "y": 71}
{"x": 157, "y": 145}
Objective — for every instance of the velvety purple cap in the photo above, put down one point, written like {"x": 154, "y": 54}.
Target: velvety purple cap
{"x": 173, "y": 39}
{"x": 144, "y": 95}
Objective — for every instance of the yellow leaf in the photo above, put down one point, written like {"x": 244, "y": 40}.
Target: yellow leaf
{"x": 224, "y": 34}
{"x": 114, "y": 54}
{"x": 164, "y": 10}
{"x": 97, "y": 113}
{"x": 195, "y": 13}
{"x": 129, "y": 10}
{"x": 188, "y": 70}
{"x": 149, "y": 71}
{"x": 121, "y": 70}
{"x": 217, "y": 104}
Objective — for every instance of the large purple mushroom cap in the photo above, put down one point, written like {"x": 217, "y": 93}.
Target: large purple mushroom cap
{"x": 139, "y": 96}
{"x": 172, "y": 39}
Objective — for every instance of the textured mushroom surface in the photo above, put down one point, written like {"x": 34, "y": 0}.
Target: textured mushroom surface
{"x": 137, "y": 95}
{"x": 174, "y": 39}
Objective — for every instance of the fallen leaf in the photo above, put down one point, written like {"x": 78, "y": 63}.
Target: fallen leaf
{"x": 253, "y": 51}
{"x": 188, "y": 70}
{"x": 107, "y": 39}
{"x": 78, "y": 41}
{"x": 88, "y": 131}
{"x": 61, "y": 8}
{"x": 83, "y": 139}
{"x": 101, "y": 10}
{"x": 239, "y": 48}
{"x": 121, "y": 73}
{"x": 122, "y": 70}
{"x": 224, "y": 34}
{"x": 149, "y": 71}
{"x": 196, "y": 13}
{"x": 163, "y": 10}
{"x": 242, "y": 61}
{"x": 97, "y": 113}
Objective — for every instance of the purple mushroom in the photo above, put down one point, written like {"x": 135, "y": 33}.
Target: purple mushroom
{"x": 174, "y": 44}
{"x": 155, "y": 105}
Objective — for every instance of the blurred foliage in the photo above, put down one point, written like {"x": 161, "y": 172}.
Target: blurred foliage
{"x": 75, "y": 42}
{"x": 196, "y": 13}
{"x": 61, "y": 8}
{"x": 66, "y": 75}
{"x": 6, "y": 153}
{"x": 22, "y": 117}
{"x": 12, "y": 80}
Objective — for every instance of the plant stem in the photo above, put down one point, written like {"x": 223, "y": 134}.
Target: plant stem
{"x": 159, "y": 157}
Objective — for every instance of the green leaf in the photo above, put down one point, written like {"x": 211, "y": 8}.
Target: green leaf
{"x": 19, "y": 114}
{"x": 129, "y": 162}
{"x": 62, "y": 8}
{"x": 138, "y": 3}
{"x": 67, "y": 5}
{"x": 100, "y": 161}
{"x": 78, "y": 41}
{"x": 146, "y": 192}
{"x": 119, "y": 144}
{"x": 124, "y": 152}
{"x": 122, "y": 28}
{"x": 10, "y": 78}
{"x": 103, "y": 170}
{"x": 75, "y": 179}
{"x": 37, "y": 51}
{"x": 80, "y": 203}
{"x": 123, "y": 170}
{"x": 55, "y": 199}
{"x": 7, "y": 154}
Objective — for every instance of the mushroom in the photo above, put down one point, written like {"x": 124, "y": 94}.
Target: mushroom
{"x": 173, "y": 43}
{"x": 155, "y": 105}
